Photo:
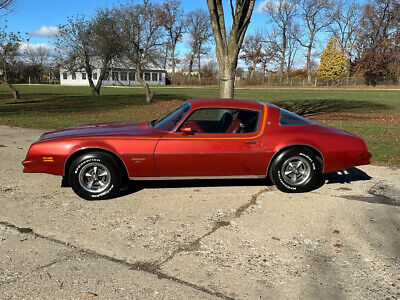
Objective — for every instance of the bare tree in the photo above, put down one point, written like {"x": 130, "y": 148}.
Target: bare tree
{"x": 6, "y": 6}
{"x": 171, "y": 17}
{"x": 315, "y": 15}
{"x": 281, "y": 14}
{"x": 346, "y": 19}
{"x": 37, "y": 56}
{"x": 141, "y": 37}
{"x": 252, "y": 52}
{"x": 89, "y": 44}
{"x": 199, "y": 30}
{"x": 9, "y": 50}
{"x": 379, "y": 19}
{"x": 227, "y": 48}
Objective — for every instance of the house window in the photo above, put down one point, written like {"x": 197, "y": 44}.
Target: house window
{"x": 94, "y": 76}
{"x": 107, "y": 76}
{"x": 147, "y": 76}
{"x": 73, "y": 76}
{"x": 115, "y": 76}
{"x": 83, "y": 75}
{"x": 124, "y": 76}
{"x": 154, "y": 76}
{"x": 65, "y": 76}
{"x": 160, "y": 76}
{"x": 131, "y": 76}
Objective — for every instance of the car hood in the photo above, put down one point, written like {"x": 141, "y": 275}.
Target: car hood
{"x": 102, "y": 129}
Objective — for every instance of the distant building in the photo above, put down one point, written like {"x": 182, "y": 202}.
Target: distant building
{"x": 114, "y": 77}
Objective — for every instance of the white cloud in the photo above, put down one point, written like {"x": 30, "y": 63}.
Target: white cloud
{"x": 25, "y": 46}
{"x": 274, "y": 4}
{"x": 260, "y": 7}
{"x": 45, "y": 31}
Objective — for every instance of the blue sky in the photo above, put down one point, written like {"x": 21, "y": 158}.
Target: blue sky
{"x": 39, "y": 18}
{"x": 30, "y": 15}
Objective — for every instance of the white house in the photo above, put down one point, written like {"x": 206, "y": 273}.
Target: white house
{"x": 114, "y": 77}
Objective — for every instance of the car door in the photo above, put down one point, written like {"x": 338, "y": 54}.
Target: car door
{"x": 210, "y": 151}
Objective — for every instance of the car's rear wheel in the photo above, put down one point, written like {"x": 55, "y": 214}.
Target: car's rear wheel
{"x": 95, "y": 176}
{"x": 295, "y": 170}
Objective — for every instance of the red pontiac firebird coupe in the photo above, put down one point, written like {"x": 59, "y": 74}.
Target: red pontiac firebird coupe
{"x": 202, "y": 138}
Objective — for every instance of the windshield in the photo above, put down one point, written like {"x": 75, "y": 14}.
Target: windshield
{"x": 168, "y": 122}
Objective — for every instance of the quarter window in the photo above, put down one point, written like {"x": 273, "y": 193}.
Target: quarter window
{"x": 288, "y": 118}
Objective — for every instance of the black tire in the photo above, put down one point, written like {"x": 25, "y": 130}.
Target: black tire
{"x": 296, "y": 170}
{"x": 106, "y": 176}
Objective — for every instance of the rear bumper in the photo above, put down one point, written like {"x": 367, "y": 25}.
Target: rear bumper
{"x": 346, "y": 160}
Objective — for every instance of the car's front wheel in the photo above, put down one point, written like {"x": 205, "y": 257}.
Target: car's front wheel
{"x": 95, "y": 176}
{"x": 296, "y": 170}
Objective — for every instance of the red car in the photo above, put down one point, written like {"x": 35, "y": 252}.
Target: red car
{"x": 202, "y": 138}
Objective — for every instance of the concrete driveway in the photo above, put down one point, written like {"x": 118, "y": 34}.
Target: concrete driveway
{"x": 212, "y": 239}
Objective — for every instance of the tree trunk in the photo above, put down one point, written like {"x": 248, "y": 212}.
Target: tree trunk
{"x": 95, "y": 91}
{"x": 173, "y": 61}
{"x": 227, "y": 81}
{"x": 283, "y": 58}
{"x": 253, "y": 68}
{"x": 165, "y": 58}
{"x": 191, "y": 63}
{"x": 12, "y": 89}
{"x": 309, "y": 48}
{"x": 149, "y": 93}
{"x": 199, "y": 67}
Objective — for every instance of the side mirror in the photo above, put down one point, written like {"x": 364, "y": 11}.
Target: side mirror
{"x": 187, "y": 130}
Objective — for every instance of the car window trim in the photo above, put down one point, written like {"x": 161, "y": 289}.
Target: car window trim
{"x": 189, "y": 113}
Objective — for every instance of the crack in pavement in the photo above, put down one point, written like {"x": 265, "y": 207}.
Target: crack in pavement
{"x": 19, "y": 276}
{"x": 138, "y": 266}
{"x": 148, "y": 267}
{"x": 194, "y": 245}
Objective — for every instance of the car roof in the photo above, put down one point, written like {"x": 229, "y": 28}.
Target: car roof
{"x": 220, "y": 102}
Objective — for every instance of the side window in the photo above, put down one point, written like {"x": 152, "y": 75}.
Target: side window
{"x": 222, "y": 120}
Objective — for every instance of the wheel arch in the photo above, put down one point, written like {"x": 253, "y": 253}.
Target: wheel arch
{"x": 79, "y": 152}
{"x": 315, "y": 151}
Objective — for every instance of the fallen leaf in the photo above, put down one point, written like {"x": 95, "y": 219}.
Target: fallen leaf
{"x": 94, "y": 228}
{"x": 275, "y": 238}
{"x": 336, "y": 231}
{"x": 196, "y": 190}
{"x": 90, "y": 294}
{"x": 6, "y": 189}
{"x": 337, "y": 245}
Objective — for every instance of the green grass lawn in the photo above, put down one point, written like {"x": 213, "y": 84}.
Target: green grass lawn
{"x": 374, "y": 115}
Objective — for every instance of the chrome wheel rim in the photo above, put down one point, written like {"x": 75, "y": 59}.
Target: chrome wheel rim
{"x": 94, "y": 178}
{"x": 296, "y": 170}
